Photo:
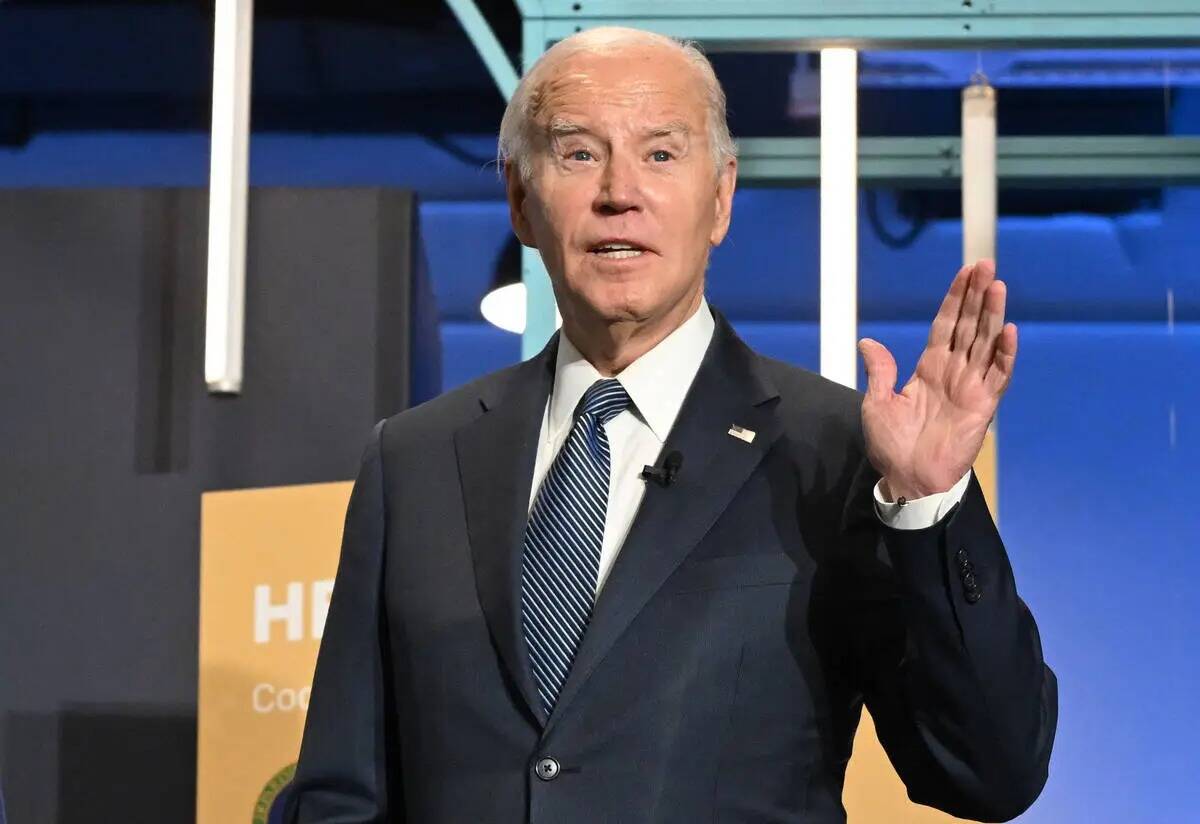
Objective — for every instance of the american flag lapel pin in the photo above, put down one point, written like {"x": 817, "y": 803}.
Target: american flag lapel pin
{"x": 741, "y": 433}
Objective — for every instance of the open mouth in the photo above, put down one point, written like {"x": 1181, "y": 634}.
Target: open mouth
{"x": 617, "y": 251}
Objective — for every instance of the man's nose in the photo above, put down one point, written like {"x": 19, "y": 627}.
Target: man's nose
{"x": 620, "y": 187}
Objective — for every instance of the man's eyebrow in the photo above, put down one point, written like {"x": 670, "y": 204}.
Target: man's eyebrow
{"x": 667, "y": 129}
{"x": 561, "y": 127}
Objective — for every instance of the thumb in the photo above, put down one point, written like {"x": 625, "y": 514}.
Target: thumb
{"x": 881, "y": 368}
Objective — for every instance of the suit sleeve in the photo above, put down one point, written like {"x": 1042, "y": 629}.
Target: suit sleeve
{"x": 948, "y": 658}
{"x": 347, "y": 757}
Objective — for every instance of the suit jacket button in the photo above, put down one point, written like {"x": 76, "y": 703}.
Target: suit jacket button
{"x": 973, "y": 595}
{"x": 546, "y": 769}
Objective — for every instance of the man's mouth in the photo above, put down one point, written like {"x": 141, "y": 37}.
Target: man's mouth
{"x": 617, "y": 251}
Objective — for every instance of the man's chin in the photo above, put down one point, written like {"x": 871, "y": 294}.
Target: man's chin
{"x": 625, "y": 308}
{"x": 608, "y": 305}
{"x": 621, "y": 312}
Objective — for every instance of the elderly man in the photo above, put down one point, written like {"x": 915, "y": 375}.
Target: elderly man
{"x": 650, "y": 575}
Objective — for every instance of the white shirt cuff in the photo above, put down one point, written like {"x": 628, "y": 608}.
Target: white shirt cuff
{"x": 919, "y": 513}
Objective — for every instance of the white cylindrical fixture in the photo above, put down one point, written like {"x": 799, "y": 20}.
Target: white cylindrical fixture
{"x": 979, "y": 170}
{"x": 225, "y": 312}
{"x": 979, "y": 207}
{"x": 839, "y": 215}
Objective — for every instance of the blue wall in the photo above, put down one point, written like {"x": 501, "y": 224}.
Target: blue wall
{"x": 1099, "y": 434}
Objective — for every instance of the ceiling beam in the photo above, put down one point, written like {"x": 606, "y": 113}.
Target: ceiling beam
{"x": 1025, "y": 161}
{"x": 795, "y": 25}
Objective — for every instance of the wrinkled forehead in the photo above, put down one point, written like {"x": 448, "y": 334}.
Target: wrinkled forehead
{"x": 651, "y": 84}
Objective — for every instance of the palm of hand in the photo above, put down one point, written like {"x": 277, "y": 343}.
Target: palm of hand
{"x": 925, "y": 437}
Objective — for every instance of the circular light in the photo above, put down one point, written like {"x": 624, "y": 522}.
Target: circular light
{"x": 505, "y": 307}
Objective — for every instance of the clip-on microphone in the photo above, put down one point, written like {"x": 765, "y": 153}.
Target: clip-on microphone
{"x": 666, "y": 474}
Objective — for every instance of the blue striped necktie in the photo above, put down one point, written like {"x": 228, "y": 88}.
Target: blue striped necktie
{"x": 561, "y": 557}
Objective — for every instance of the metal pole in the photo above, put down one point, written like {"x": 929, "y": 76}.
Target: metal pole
{"x": 487, "y": 44}
{"x": 541, "y": 310}
{"x": 839, "y": 215}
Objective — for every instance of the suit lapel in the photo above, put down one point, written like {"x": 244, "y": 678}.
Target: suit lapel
{"x": 728, "y": 390}
{"x": 496, "y": 454}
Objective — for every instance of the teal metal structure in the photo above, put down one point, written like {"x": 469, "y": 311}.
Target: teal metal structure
{"x": 1023, "y": 161}
{"x": 488, "y": 46}
{"x": 807, "y": 25}
{"x": 799, "y": 25}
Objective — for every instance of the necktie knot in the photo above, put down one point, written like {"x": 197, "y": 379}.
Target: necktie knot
{"x": 605, "y": 399}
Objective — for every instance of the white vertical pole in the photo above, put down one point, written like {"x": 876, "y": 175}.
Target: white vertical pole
{"x": 839, "y": 215}
{"x": 979, "y": 188}
{"x": 979, "y": 170}
{"x": 225, "y": 313}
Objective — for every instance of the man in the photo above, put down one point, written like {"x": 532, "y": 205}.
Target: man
{"x": 526, "y": 626}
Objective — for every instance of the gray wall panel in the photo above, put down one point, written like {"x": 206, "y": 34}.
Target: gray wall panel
{"x": 108, "y": 438}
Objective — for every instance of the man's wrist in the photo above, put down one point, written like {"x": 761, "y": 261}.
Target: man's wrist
{"x": 895, "y": 490}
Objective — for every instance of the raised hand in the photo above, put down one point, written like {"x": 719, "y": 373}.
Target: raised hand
{"x": 923, "y": 439}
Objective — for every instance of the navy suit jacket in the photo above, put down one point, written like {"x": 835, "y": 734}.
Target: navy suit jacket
{"x": 754, "y": 607}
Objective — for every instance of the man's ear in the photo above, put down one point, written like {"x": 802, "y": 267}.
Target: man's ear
{"x": 515, "y": 191}
{"x": 726, "y": 184}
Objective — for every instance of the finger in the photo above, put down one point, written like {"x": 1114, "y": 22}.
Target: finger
{"x": 968, "y": 319}
{"x": 941, "y": 333}
{"x": 881, "y": 368}
{"x": 1000, "y": 373}
{"x": 990, "y": 324}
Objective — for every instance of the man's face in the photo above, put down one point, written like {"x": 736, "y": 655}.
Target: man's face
{"x": 624, "y": 202}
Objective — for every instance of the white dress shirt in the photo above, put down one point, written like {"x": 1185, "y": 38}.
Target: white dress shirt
{"x": 657, "y": 383}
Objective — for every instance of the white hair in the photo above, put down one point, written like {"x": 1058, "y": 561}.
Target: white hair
{"x": 516, "y": 128}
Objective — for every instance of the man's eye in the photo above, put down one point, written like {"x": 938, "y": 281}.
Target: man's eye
{"x": 575, "y": 155}
{"x": 662, "y": 156}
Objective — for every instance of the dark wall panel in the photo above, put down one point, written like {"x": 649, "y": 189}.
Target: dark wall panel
{"x": 108, "y": 438}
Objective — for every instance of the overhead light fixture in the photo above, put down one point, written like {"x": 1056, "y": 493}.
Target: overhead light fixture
{"x": 979, "y": 169}
{"x": 504, "y": 306}
{"x": 979, "y": 209}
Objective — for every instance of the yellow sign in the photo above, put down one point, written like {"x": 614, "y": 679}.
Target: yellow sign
{"x": 267, "y": 563}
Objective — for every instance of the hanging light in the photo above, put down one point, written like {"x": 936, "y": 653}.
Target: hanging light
{"x": 979, "y": 209}
{"x": 504, "y": 307}
{"x": 979, "y": 169}
{"x": 504, "y": 304}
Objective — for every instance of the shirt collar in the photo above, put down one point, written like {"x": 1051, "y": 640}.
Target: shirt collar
{"x": 656, "y": 382}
